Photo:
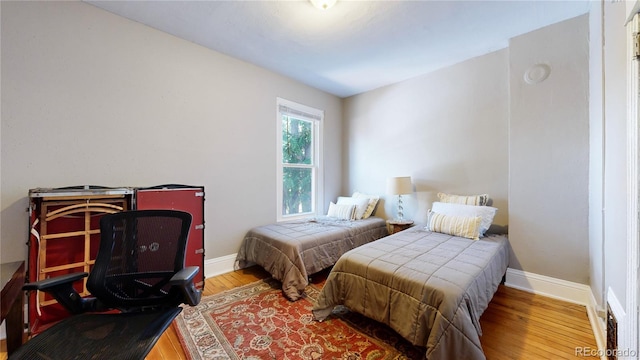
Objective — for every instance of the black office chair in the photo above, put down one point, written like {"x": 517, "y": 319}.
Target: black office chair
{"x": 137, "y": 285}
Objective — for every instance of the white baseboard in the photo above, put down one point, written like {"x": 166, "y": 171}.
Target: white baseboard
{"x": 598, "y": 324}
{"x": 561, "y": 290}
{"x": 548, "y": 286}
{"x": 621, "y": 317}
{"x": 219, "y": 265}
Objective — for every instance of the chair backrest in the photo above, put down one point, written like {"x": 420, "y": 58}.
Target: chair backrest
{"x": 139, "y": 252}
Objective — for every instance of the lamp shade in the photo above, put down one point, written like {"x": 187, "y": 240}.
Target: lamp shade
{"x": 399, "y": 185}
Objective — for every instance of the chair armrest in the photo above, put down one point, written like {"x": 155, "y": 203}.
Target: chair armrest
{"x": 184, "y": 275}
{"x": 183, "y": 279}
{"x": 46, "y": 284}
{"x": 61, "y": 288}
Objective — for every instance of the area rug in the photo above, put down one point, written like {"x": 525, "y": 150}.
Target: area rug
{"x": 256, "y": 321}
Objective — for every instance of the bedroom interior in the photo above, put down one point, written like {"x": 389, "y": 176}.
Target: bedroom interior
{"x": 538, "y": 123}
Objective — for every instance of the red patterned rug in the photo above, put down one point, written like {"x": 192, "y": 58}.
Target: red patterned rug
{"x": 257, "y": 322}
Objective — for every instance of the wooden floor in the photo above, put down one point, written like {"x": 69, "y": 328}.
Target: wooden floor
{"x": 516, "y": 325}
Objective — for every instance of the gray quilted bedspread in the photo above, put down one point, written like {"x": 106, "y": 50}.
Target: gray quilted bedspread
{"x": 292, "y": 250}
{"x": 429, "y": 287}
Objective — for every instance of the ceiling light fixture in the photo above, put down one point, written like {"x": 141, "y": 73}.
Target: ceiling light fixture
{"x": 323, "y": 4}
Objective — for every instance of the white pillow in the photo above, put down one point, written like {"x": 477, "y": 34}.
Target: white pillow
{"x": 341, "y": 211}
{"x": 485, "y": 212}
{"x": 373, "y": 200}
{"x": 463, "y": 226}
{"x": 361, "y": 205}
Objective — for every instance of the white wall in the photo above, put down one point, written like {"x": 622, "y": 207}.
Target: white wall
{"x": 596, "y": 154}
{"x": 92, "y": 98}
{"x": 447, "y": 130}
{"x": 615, "y": 148}
{"x": 549, "y": 152}
{"x": 475, "y": 127}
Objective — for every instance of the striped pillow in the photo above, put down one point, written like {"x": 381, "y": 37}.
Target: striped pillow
{"x": 373, "y": 200}
{"x": 479, "y": 200}
{"x": 487, "y": 213}
{"x": 361, "y": 205}
{"x": 341, "y": 211}
{"x": 468, "y": 227}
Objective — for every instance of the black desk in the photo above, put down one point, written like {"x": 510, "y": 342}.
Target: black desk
{"x": 12, "y": 299}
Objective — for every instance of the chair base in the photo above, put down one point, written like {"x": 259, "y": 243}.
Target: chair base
{"x": 100, "y": 336}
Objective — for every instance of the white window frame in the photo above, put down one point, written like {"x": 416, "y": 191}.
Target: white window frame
{"x": 316, "y": 116}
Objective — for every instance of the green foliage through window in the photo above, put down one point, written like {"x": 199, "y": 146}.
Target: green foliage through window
{"x": 297, "y": 139}
{"x": 297, "y": 158}
{"x": 296, "y": 197}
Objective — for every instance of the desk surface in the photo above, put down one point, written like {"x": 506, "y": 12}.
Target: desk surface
{"x": 12, "y": 277}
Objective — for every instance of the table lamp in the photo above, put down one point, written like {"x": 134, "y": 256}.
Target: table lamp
{"x": 399, "y": 186}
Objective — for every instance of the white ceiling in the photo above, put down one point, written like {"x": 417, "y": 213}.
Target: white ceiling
{"x": 355, "y": 46}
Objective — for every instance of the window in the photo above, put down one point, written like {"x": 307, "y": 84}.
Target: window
{"x": 299, "y": 159}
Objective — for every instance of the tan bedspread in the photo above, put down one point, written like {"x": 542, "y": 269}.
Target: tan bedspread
{"x": 293, "y": 250}
{"x": 429, "y": 287}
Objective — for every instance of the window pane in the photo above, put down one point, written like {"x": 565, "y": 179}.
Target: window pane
{"x": 296, "y": 191}
{"x": 297, "y": 137}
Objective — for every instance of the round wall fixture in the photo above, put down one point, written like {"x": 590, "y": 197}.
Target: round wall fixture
{"x": 537, "y": 73}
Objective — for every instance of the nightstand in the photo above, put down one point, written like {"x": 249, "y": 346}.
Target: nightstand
{"x": 399, "y": 225}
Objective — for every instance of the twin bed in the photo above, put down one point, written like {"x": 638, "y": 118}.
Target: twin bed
{"x": 431, "y": 288}
{"x": 428, "y": 283}
{"x": 292, "y": 250}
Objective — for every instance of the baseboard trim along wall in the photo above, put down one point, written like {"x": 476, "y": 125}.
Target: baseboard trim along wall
{"x": 562, "y": 290}
{"x": 518, "y": 279}
{"x": 621, "y": 316}
{"x": 548, "y": 286}
{"x": 220, "y": 265}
